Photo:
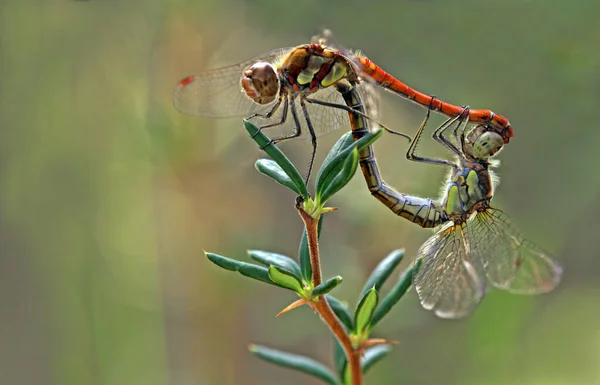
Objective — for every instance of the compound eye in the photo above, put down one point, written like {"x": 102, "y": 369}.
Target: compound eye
{"x": 487, "y": 145}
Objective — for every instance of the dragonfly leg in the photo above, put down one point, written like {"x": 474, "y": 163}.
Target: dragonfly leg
{"x": 410, "y": 154}
{"x": 439, "y": 133}
{"x": 271, "y": 111}
{"x": 268, "y": 115}
{"x": 313, "y": 138}
{"x": 353, "y": 110}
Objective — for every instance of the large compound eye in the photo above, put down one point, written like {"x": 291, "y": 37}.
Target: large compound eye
{"x": 487, "y": 145}
{"x": 261, "y": 83}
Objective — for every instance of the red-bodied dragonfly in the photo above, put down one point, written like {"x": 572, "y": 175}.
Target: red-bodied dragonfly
{"x": 297, "y": 79}
{"x": 476, "y": 243}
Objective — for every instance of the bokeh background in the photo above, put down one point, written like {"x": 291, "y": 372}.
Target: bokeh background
{"x": 108, "y": 196}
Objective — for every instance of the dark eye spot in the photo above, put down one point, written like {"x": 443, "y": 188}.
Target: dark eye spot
{"x": 264, "y": 83}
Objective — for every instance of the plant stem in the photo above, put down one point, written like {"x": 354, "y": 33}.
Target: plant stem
{"x": 322, "y": 306}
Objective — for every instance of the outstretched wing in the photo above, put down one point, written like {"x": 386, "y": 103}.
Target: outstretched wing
{"x": 447, "y": 281}
{"x": 218, "y": 93}
{"x": 511, "y": 262}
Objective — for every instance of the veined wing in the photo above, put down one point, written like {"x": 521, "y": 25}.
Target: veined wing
{"x": 324, "y": 119}
{"x": 447, "y": 281}
{"x": 511, "y": 262}
{"x": 218, "y": 93}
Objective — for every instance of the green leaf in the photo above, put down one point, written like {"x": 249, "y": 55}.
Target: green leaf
{"x": 304, "y": 253}
{"x": 271, "y": 169}
{"x": 383, "y": 270}
{"x": 341, "y": 179}
{"x": 224, "y": 262}
{"x": 279, "y": 260}
{"x": 336, "y": 158}
{"x": 327, "y": 286}
{"x": 279, "y": 157}
{"x": 248, "y": 269}
{"x": 295, "y": 361}
{"x": 254, "y": 271}
{"x": 340, "y": 311}
{"x": 339, "y": 358}
{"x": 373, "y": 355}
{"x": 285, "y": 278}
{"x": 364, "y": 311}
{"x": 395, "y": 294}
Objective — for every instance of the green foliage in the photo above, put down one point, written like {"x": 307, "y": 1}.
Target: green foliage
{"x": 339, "y": 167}
{"x": 295, "y": 361}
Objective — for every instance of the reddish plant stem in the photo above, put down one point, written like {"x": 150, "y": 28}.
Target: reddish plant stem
{"x": 322, "y": 306}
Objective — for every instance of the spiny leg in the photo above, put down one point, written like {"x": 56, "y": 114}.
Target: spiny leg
{"x": 410, "y": 154}
{"x": 353, "y": 110}
{"x": 284, "y": 113}
{"x": 313, "y": 138}
{"x": 439, "y": 136}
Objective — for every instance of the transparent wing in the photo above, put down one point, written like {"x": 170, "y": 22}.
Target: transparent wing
{"x": 447, "y": 282}
{"x": 218, "y": 93}
{"x": 324, "y": 119}
{"x": 510, "y": 262}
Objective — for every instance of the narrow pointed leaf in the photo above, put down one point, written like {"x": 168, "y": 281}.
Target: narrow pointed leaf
{"x": 335, "y": 159}
{"x": 340, "y": 311}
{"x": 295, "y": 361}
{"x": 373, "y": 355}
{"x": 364, "y": 311}
{"x": 395, "y": 294}
{"x": 285, "y": 278}
{"x": 327, "y": 286}
{"x": 383, "y": 270}
{"x": 279, "y": 157}
{"x": 304, "y": 254}
{"x": 271, "y": 169}
{"x": 279, "y": 260}
{"x": 257, "y": 272}
{"x": 339, "y": 358}
{"x": 224, "y": 262}
{"x": 248, "y": 269}
{"x": 341, "y": 179}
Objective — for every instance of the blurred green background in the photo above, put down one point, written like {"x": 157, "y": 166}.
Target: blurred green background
{"x": 108, "y": 195}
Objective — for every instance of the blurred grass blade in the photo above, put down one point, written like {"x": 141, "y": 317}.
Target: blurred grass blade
{"x": 279, "y": 157}
{"x": 285, "y": 278}
{"x": 271, "y": 169}
{"x": 383, "y": 271}
{"x": 395, "y": 293}
{"x": 364, "y": 311}
{"x": 327, "y": 286}
{"x": 295, "y": 361}
{"x": 247, "y": 269}
{"x": 340, "y": 180}
{"x": 304, "y": 254}
{"x": 339, "y": 358}
{"x": 373, "y": 355}
{"x": 340, "y": 311}
{"x": 279, "y": 260}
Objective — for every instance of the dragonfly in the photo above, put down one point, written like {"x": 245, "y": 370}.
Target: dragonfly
{"x": 476, "y": 244}
{"x": 302, "y": 81}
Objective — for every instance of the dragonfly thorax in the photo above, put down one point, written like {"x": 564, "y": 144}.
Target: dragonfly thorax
{"x": 469, "y": 188}
{"x": 261, "y": 82}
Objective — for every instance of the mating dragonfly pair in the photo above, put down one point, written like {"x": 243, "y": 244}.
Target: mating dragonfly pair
{"x": 325, "y": 88}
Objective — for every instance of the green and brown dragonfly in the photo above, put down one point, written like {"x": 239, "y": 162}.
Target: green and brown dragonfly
{"x": 476, "y": 244}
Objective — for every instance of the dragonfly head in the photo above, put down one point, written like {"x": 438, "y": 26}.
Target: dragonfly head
{"x": 484, "y": 144}
{"x": 261, "y": 83}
